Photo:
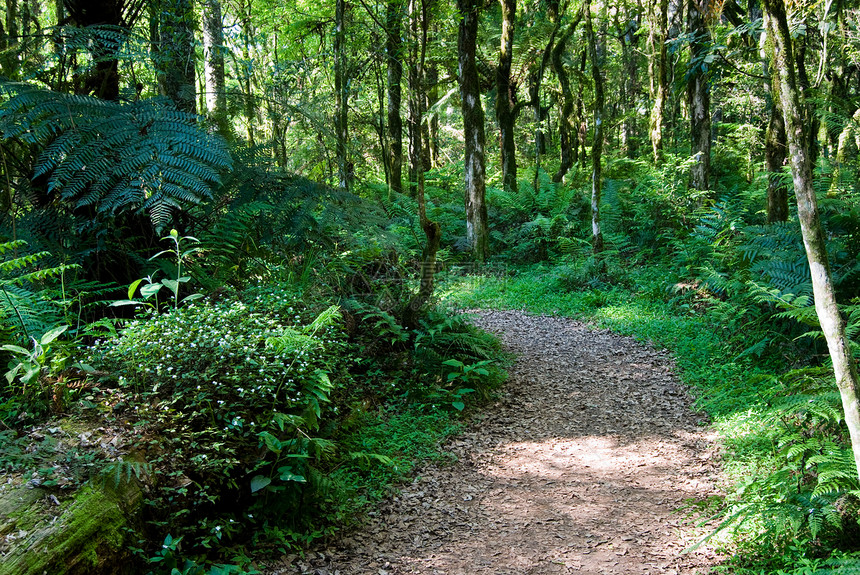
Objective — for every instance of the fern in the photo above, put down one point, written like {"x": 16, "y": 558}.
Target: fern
{"x": 123, "y": 470}
{"x": 141, "y": 156}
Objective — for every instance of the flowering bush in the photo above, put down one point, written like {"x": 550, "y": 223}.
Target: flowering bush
{"x": 231, "y": 394}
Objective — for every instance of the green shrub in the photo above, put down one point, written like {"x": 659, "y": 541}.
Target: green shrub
{"x": 231, "y": 394}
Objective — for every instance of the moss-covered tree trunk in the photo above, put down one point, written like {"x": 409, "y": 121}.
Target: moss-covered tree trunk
{"x": 826, "y": 307}
{"x": 774, "y": 157}
{"x": 177, "y": 78}
{"x": 567, "y": 142}
{"x": 477, "y": 234}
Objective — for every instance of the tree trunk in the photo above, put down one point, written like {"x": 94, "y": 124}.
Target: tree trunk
{"x": 393, "y": 48}
{"x": 477, "y": 234}
{"x": 597, "y": 143}
{"x": 657, "y": 72}
{"x": 506, "y": 96}
{"x": 826, "y": 307}
{"x": 213, "y": 65}
{"x": 177, "y": 80}
{"x": 774, "y": 156}
{"x": 629, "y": 86}
{"x": 432, "y": 231}
{"x": 432, "y": 87}
{"x": 246, "y": 74}
{"x": 698, "y": 101}
{"x": 415, "y": 103}
{"x": 103, "y": 81}
{"x": 341, "y": 96}
{"x": 580, "y": 123}
{"x": 567, "y": 144}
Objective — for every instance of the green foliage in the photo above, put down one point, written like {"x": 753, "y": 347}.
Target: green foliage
{"x": 231, "y": 403}
{"x": 530, "y": 223}
{"x": 142, "y": 156}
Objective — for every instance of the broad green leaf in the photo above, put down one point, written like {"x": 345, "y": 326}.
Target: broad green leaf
{"x": 272, "y": 442}
{"x": 288, "y": 475}
{"x": 16, "y": 349}
{"x": 192, "y": 297}
{"x": 259, "y": 482}
{"x": 53, "y": 334}
{"x": 133, "y": 288}
{"x": 123, "y": 302}
{"x": 172, "y": 285}
{"x": 150, "y": 289}
{"x": 458, "y": 405}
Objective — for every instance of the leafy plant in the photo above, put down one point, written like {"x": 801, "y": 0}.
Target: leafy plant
{"x": 151, "y": 288}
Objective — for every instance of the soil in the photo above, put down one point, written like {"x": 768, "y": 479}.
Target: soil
{"x": 580, "y": 467}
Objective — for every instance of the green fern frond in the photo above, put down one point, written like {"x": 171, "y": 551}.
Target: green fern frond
{"x": 136, "y": 156}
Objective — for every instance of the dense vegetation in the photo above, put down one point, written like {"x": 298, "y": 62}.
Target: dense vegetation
{"x": 215, "y": 245}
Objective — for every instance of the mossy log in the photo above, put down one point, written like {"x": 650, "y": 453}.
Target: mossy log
{"x": 86, "y": 534}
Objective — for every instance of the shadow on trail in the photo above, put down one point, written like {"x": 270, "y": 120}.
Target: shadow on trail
{"x": 579, "y": 468}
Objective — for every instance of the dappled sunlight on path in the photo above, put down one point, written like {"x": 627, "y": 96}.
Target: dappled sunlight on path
{"x": 579, "y": 468}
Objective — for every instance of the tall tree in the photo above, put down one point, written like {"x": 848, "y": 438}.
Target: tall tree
{"x": 477, "y": 234}
{"x": 832, "y": 323}
{"x": 419, "y": 23}
{"x": 103, "y": 80}
{"x": 506, "y": 96}
{"x": 341, "y": 95}
{"x": 629, "y": 38}
{"x": 565, "y": 129}
{"x": 393, "y": 49}
{"x": 597, "y": 143}
{"x": 774, "y": 159}
{"x": 657, "y": 64}
{"x": 213, "y": 65}
{"x": 699, "y": 95}
{"x": 177, "y": 78}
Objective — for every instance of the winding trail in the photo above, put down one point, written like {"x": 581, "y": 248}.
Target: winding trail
{"x": 579, "y": 468}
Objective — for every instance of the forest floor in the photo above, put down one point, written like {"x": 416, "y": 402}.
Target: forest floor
{"x": 579, "y": 467}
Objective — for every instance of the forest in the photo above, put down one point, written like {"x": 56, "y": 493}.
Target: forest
{"x": 237, "y": 240}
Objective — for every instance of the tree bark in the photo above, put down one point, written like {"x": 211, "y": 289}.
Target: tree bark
{"x": 597, "y": 143}
{"x": 415, "y": 103}
{"x": 432, "y": 231}
{"x": 824, "y": 293}
{"x": 341, "y": 98}
{"x": 659, "y": 84}
{"x": 698, "y": 101}
{"x": 177, "y": 80}
{"x": 431, "y": 83}
{"x": 213, "y": 65}
{"x": 567, "y": 144}
{"x": 629, "y": 40}
{"x": 477, "y": 234}
{"x": 774, "y": 155}
{"x": 393, "y": 49}
{"x": 506, "y": 97}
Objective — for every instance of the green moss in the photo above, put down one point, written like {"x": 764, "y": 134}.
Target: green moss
{"x": 87, "y": 537}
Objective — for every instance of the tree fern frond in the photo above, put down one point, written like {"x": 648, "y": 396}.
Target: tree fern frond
{"x": 93, "y": 149}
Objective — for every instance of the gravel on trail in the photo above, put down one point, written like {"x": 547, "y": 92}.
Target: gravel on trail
{"x": 579, "y": 467}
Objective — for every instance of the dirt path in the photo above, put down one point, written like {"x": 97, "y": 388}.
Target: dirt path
{"x": 578, "y": 469}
